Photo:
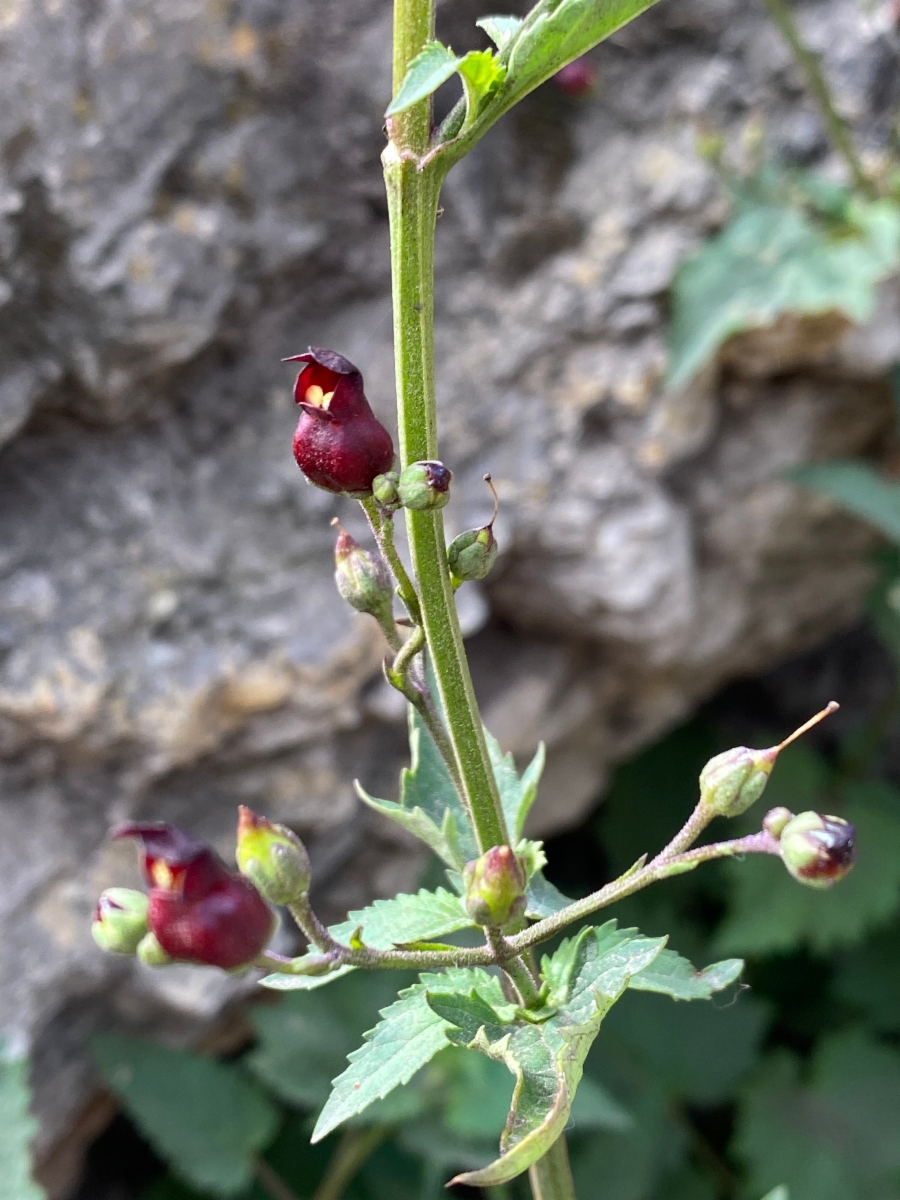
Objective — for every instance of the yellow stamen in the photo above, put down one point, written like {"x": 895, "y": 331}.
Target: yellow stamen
{"x": 314, "y": 395}
{"x": 163, "y": 877}
{"x": 326, "y": 399}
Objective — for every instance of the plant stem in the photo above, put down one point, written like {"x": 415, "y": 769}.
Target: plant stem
{"x": 383, "y": 529}
{"x": 354, "y": 1149}
{"x": 271, "y": 1181}
{"x": 551, "y": 1176}
{"x": 808, "y": 62}
{"x": 412, "y": 205}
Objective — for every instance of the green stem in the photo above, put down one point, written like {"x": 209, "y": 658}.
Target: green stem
{"x": 551, "y": 1176}
{"x": 838, "y": 132}
{"x": 383, "y": 529}
{"x": 271, "y": 1181}
{"x": 354, "y": 1149}
{"x": 412, "y": 205}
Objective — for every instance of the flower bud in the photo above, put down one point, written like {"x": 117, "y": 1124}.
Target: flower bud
{"x": 818, "y": 850}
{"x": 775, "y": 820}
{"x": 384, "y": 489}
{"x": 120, "y": 920}
{"x": 363, "y": 579}
{"x": 151, "y": 953}
{"x": 495, "y": 887}
{"x": 472, "y": 555}
{"x": 199, "y": 911}
{"x": 576, "y": 78}
{"x": 732, "y": 781}
{"x": 424, "y": 485}
{"x": 339, "y": 444}
{"x": 272, "y": 857}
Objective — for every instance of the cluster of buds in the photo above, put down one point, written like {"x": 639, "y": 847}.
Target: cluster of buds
{"x": 197, "y": 910}
{"x": 495, "y": 887}
{"x": 817, "y": 850}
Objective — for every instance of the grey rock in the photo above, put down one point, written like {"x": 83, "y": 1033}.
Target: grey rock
{"x": 190, "y": 192}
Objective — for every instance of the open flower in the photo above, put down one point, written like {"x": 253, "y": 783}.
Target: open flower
{"x": 339, "y": 444}
{"x": 199, "y": 911}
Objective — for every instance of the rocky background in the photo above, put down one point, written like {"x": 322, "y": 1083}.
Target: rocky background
{"x": 190, "y": 191}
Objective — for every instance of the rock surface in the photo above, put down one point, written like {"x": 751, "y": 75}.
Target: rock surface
{"x": 189, "y": 192}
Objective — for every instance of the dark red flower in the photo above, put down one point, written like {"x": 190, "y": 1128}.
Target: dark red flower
{"x": 576, "y": 78}
{"x": 339, "y": 443}
{"x": 199, "y": 911}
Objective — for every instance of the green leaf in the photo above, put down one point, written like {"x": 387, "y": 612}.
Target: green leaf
{"x": 303, "y": 1040}
{"x": 674, "y": 976}
{"x": 434, "y": 65}
{"x": 501, "y": 30}
{"x": 543, "y": 898}
{"x": 775, "y": 259}
{"x": 833, "y": 1137}
{"x": 408, "y": 1036}
{"x": 770, "y": 912}
{"x": 588, "y": 974}
{"x": 481, "y": 74}
{"x": 859, "y": 489}
{"x": 206, "y": 1119}
{"x": 517, "y": 794}
{"x": 386, "y": 923}
{"x": 779, "y": 1193}
{"x": 17, "y": 1128}
{"x": 869, "y": 979}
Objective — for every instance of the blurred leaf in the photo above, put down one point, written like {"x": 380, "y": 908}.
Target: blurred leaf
{"x": 17, "y": 1128}
{"x": 409, "y": 1034}
{"x": 674, "y": 976}
{"x": 434, "y": 65}
{"x": 304, "y": 1040}
{"x": 501, "y": 30}
{"x": 859, "y": 488}
{"x": 589, "y": 972}
{"x": 774, "y": 259}
{"x": 687, "y": 1184}
{"x": 869, "y": 979}
{"x": 206, "y": 1119}
{"x": 406, "y": 918}
{"x": 779, "y": 1193}
{"x": 696, "y": 1052}
{"x": 833, "y": 1137}
{"x": 769, "y": 911}
{"x": 517, "y": 794}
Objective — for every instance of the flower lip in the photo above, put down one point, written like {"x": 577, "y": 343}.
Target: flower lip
{"x": 323, "y": 376}
{"x": 163, "y": 841}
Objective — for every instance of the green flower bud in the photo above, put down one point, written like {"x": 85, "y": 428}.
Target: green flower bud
{"x": 363, "y": 579}
{"x": 472, "y": 555}
{"x": 732, "y": 781}
{"x": 120, "y": 920}
{"x": 818, "y": 850}
{"x": 272, "y": 858}
{"x": 149, "y": 951}
{"x": 495, "y": 887}
{"x": 425, "y": 485}
{"x": 384, "y": 489}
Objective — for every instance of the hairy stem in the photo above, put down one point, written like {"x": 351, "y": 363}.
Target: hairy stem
{"x": 383, "y": 529}
{"x": 412, "y": 204}
{"x": 808, "y": 62}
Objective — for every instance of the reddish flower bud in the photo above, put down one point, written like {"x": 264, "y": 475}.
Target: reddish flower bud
{"x": 576, "y": 78}
{"x": 363, "y": 579}
{"x": 495, "y": 887}
{"x": 200, "y": 912}
{"x": 818, "y": 850}
{"x": 339, "y": 444}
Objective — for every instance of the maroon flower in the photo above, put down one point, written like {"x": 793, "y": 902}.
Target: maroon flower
{"x": 576, "y": 78}
{"x": 199, "y": 911}
{"x": 339, "y": 443}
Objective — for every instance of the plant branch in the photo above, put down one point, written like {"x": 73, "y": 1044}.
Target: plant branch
{"x": 808, "y": 62}
{"x": 354, "y": 1149}
{"x": 271, "y": 1181}
{"x": 551, "y": 1176}
{"x": 383, "y": 528}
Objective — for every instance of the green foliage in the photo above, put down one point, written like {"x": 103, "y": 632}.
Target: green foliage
{"x": 860, "y": 489}
{"x": 17, "y": 1128}
{"x": 789, "y": 250}
{"x": 833, "y": 1134}
{"x": 671, "y": 975}
{"x": 205, "y": 1118}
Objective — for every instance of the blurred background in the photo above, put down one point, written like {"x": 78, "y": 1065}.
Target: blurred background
{"x": 668, "y": 315}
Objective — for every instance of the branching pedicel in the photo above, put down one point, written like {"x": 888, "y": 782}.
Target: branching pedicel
{"x": 461, "y": 795}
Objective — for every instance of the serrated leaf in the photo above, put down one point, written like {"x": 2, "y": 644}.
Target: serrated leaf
{"x": 17, "y": 1128}
{"x": 481, "y": 73}
{"x": 592, "y": 971}
{"x": 517, "y": 794}
{"x": 775, "y": 259}
{"x": 542, "y": 898}
{"x": 501, "y": 30}
{"x": 206, "y": 1119}
{"x": 434, "y": 65}
{"x": 833, "y": 1137}
{"x": 303, "y": 1041}
{"x": 859, "y": 489}
{"x": 420, "y": 917}
{"x": 407, "y": 1037}
{"x": 672, "y": 975}
{"x": 770, "y": 912}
